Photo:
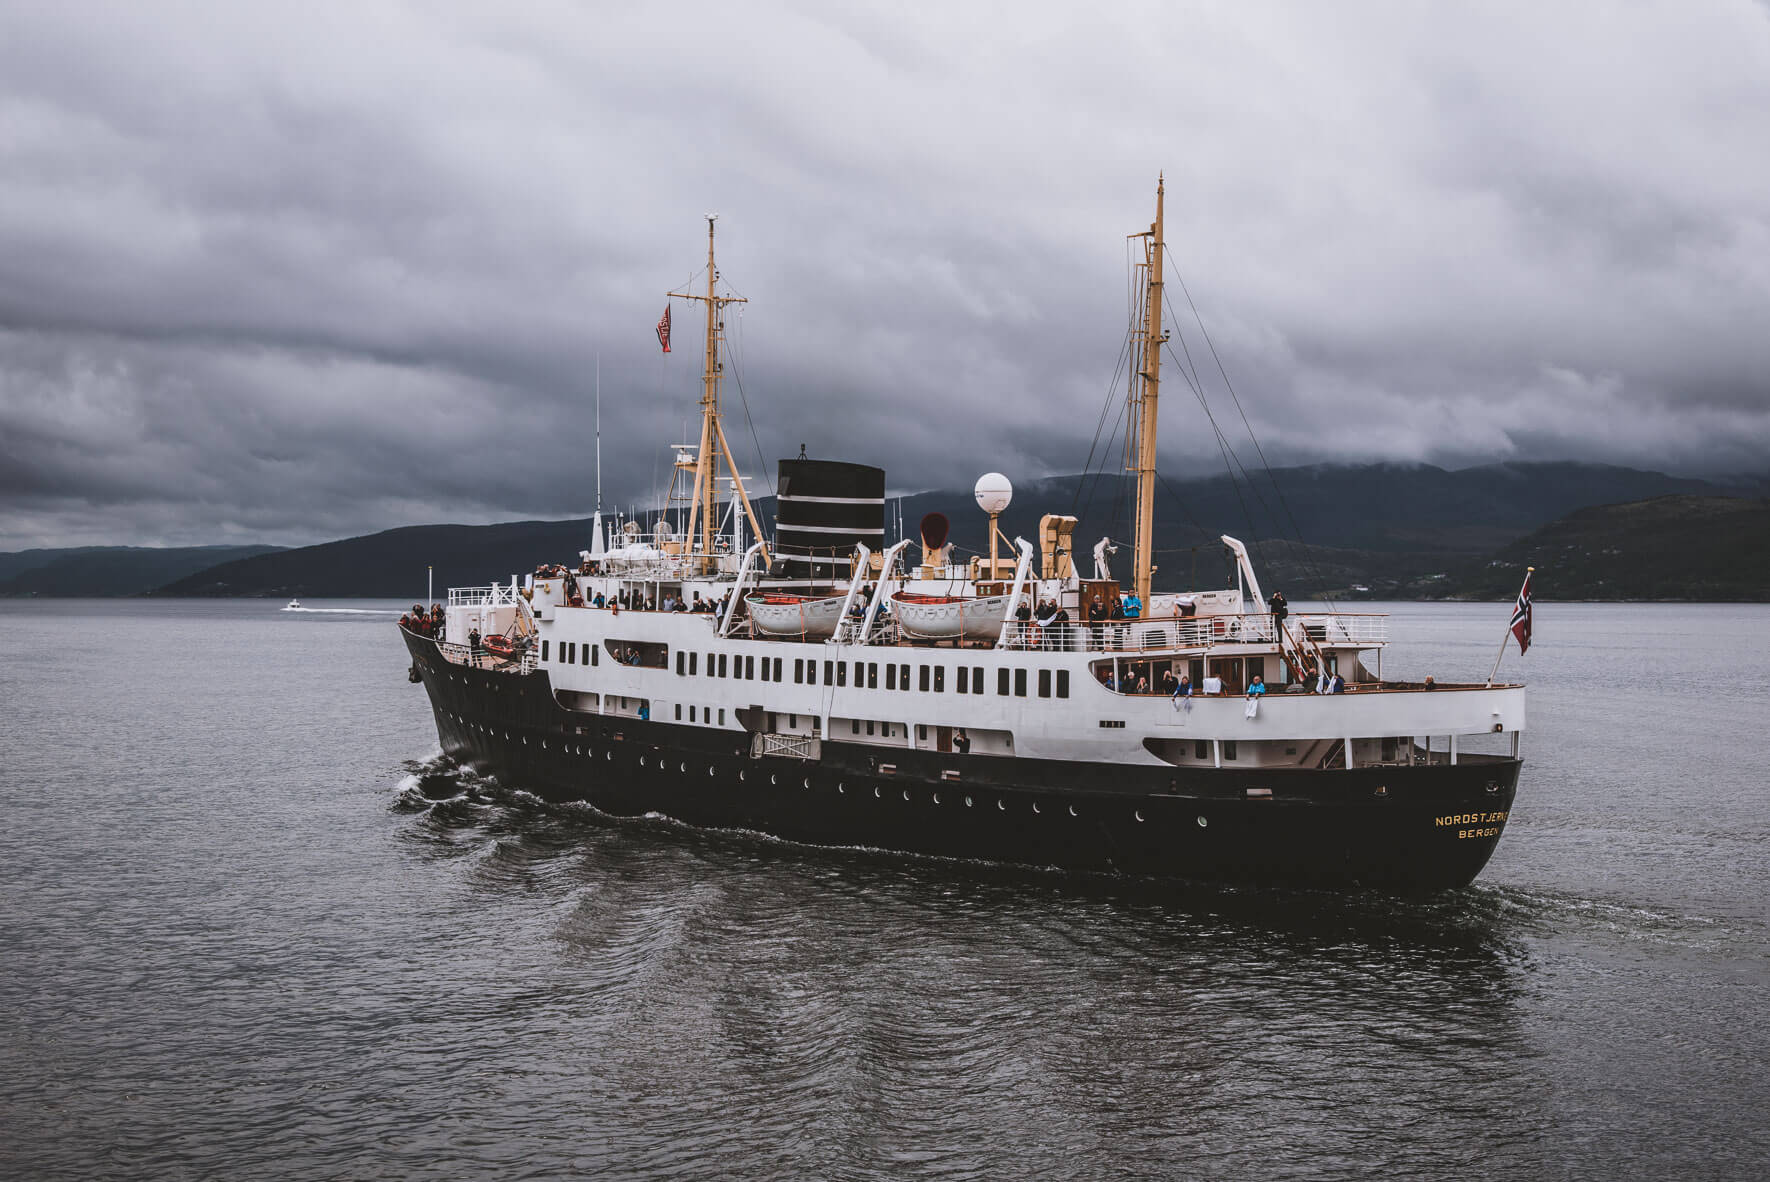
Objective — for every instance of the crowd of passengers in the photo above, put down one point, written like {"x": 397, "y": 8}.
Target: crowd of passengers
{"x": 424, "y": 623}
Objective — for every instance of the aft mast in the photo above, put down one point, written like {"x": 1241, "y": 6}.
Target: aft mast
{"x": 702, "y": 508}
{"x": 1143, "y": 398}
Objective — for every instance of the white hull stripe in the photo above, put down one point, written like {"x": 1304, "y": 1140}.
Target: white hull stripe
{"x": 830, "y": 529}
{"x": 832, "y": 500}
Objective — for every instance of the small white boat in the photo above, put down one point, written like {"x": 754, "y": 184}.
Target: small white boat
{"x": 949, "y": 617}
{"x": 813, "y": 617}
{"x": 294, "y": 606}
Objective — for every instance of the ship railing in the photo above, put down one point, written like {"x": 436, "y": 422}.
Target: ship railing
{"x": 460, "y": 654}
{"x": 496, "y": 595}
{"x": 1190, "y": 632}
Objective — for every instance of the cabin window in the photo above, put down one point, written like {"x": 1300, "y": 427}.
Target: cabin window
{"x": 1228, "y": 748}
{"x": 1020, "y": 683}
{"x": 924, "y": 679}
{"x": 1063, "y": 683}
{"x": 1002, "y": 682}
{"x": 829, "y": 672}
{"x": 777, "y": 668}
{"x": 570, "y": 652}
{"x": 798, "y": 670}
{"x": 854, "y": 726}
{"x": 1044, "y": 683}
{"x": 940, "y": 679}
{"x": 694, "y": 659}
{"x": 977, "y": 679}
{"x": 964, "y": 686}
{"x": 860, "y": 675}
{"x": 679, "y": 705}
{"x": 921, "y": 733}
{"x": 872, "y": 675}
{"x": 543, "y": 650}
{"x": 1201, "y": 749}
{"x": 766, "y": 669}
{"x": 841, "y": 672}
{"x": 587, "y": 655}
{"x": 891, "y": 677}
{"x": 750, "y": 668}
{"x": 691, "y": 713}
{"x": 722, "y": 716}
{"x": 903, "y": 677}
{"x": 869, "y": 726}
{"x": 681, "y": 671}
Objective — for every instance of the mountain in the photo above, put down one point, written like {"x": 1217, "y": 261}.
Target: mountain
{"x": 392, "y": 564}
{"x": 1711, "y": 549}
{"x": 110, "y": 570}
{"x": 1384, "y": 526}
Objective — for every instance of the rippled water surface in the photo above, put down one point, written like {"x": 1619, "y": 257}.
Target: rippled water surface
{"x": 240, "y": 937}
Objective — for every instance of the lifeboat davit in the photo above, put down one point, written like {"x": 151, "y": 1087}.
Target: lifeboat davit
{"x": 949, "y": 617}
{"x": 809, "y": 617}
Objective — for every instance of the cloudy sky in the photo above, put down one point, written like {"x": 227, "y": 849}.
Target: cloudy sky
{"x": 291, "y": 272}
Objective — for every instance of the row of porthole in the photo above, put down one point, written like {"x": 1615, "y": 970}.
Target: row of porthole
{"x": 841, "y": 786}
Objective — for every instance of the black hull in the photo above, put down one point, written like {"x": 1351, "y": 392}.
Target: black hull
{"x": 1409, "y": 828}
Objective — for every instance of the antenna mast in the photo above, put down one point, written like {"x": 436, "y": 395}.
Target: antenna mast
{"x": 599, "y": 435}
{"x": 1144, "y": 396}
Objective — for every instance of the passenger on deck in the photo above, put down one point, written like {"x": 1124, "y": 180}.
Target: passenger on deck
{"x": 1097, "y": 621}
{"x": 1168, "y": 684}
{"x": 1133, "y": 606}
{"x": 1184, "y": 688}
{"x": 1256, "y": 687}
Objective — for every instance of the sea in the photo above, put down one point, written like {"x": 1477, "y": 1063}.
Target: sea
{"x": 254, "y": 926}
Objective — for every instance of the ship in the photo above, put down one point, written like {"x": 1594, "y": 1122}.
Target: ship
{"x": 822, "y": 687}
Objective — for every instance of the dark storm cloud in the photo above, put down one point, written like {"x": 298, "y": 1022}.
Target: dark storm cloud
{"x": 288, "y": 273}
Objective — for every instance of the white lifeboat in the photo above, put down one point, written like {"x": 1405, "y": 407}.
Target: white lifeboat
{"x": 811, "y": 617}
{"x": 949, "y": 617}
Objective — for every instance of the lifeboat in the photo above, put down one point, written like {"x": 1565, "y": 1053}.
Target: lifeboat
{"x": 501, "y": 646}
{"x": 809, "y": 617}
{"x": 949, "y": 617}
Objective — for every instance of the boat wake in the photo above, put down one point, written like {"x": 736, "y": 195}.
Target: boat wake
{"x": 342, "y": 611}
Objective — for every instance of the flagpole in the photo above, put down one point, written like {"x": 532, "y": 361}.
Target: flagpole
{"x": 1528, "y": 571}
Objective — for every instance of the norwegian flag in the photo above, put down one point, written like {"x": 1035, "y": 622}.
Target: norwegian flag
{"x": 664, "y": 329}
{"x": 1521, "y": 614}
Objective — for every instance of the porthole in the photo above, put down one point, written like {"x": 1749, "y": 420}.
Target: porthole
{"x": 808, "y": 781}
{"x": 1001, "y": 805}
{"x": 1202, "y": 823}
{"x": 936, "y": 798}
{"x": 1139, "y": 815}
{"x": 906, "y": 793}
{"x": 740, "y": 777}
{"x": 684, "y": 768}
{"x": 642, "y": 761}
{"x": 608, "y": 754}
{"x": 1072, "y": 811}
{"x": 774, "y": 779}
{"x": 967, "y": 802}
{"x": 876, "y": 793}
{"x": 840, "y": 787}
{"x": 1035, "y": 806}
{"x": 709, "y": 769}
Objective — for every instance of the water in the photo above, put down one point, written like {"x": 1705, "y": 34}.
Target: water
{"x": 237, "y": 939}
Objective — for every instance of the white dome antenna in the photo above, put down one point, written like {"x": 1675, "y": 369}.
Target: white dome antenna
{"x": 993, "y": 492}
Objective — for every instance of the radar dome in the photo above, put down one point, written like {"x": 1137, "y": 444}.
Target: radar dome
{"x": 993, "y": 492}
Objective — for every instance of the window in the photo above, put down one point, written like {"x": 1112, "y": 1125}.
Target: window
{"x": 798, "y": 670}
{"x": 543, "y": 650}
{"x": 924, "y": 679}
{"x": 1113, "y": 724}
{"x": 940, "y": 679}
{"x": 860, "y": 675}
{"x": 872, "y": 675}
{"x": 681, "y": 669}
{"x": 903, "y": 677}
{"x": 595, "y": 655}
{"x": 1228, "y": 748}
{"x": 777, "y": 668}
{"x": 766, "y": 669}
{"x": 1201, "y": 749}
{"x": 1002, "y": 682}
{"x": 587, "y": 654}
{"x": 722, "y": 716}
{"x": 964, "y": 685}
{"x": 829, "y": 672}
{"x": 869, "y": 726}
{"x": 841, "y": 672}
{"x": 679, "y": 705}
{"x": 854, "y": 726}
{"x": 693, "y": 660}
{"x": 570, "y": 652}
{"x": 1063, "y": 683}
{"x": 1020, "y": 683}
{"x": 750, "y": 668}
{"x": 891, "y": 677}
{"x": 977, "y": 679}
{"x": 1044, "y": 683}
{"x": 691, "y": 713}
{"x": 811, "y": 673}
{"x": 722, "y": 664}
{"x": 921, "y": 733}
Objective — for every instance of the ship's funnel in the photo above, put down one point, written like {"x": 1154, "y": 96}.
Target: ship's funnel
{"x": 935, "y": 528}
{"x": 823, "y": 509}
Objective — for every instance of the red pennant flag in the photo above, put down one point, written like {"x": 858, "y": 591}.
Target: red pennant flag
{"x": 664, "y": 329}
{"x": 1521, "y": 615}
